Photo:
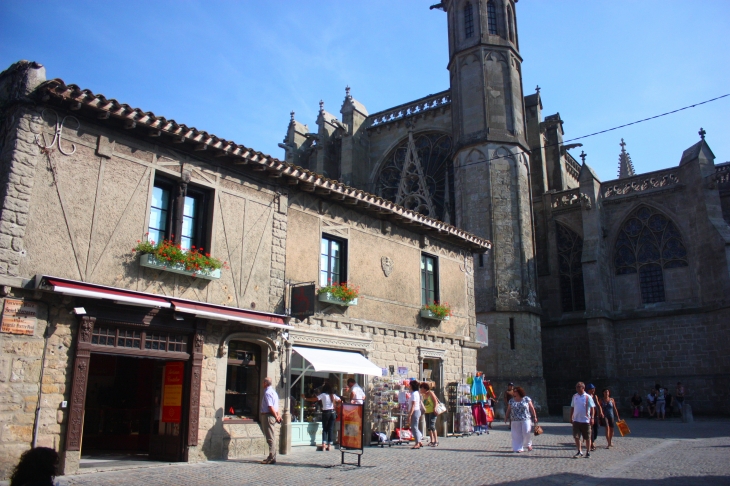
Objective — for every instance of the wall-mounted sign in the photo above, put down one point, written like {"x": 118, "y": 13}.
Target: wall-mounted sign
{"x": 172, "y": 392}
{"x": 482, "y": 336}
{"x": 19, "y": 317}
{"x": 385, "y": 371}
{"x": 302, "y": 301}
{"x": 403, "y": 370}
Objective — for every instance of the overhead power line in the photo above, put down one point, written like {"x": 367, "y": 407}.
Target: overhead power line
{"x": 599, "y": 132}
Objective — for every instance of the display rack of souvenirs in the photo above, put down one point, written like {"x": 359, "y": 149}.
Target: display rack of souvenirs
{"x": 388, "y": 407}
{"x": 459, "y": 396}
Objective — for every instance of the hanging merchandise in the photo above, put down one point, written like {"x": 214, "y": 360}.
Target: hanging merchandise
{"x": 490, "y": 389}
{"x": 478, "y": 390}
{"x": 387, "y": 411}
{"x": 459, "y": 395}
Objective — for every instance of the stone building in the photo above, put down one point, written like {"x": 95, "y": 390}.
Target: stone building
{"x": 105, "y": 350}
{"x": 622, "y": 283}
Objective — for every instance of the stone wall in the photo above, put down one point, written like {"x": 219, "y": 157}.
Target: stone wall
{"x": 690, "y": 348}
{"x": 566, "y": 359}
{"x": 22, "y": 362}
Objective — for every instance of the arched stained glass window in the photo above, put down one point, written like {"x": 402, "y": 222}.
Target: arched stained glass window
{"x": 492, "y": 17}
{"x": 419, "y": 175}
{"x": 468, "y": 20}
{"x": 648, "y": 243}
{"x": 570, "y": 252}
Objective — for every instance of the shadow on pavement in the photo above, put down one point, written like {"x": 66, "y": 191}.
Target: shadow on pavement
{"x": 569, "y": 478}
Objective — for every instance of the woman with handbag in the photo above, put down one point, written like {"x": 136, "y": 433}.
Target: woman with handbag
{"x": 430, "y": 401}
{"x": 414, "y": 414}
{"x": 610, "y": 414}
{"x": 520, "y": 410}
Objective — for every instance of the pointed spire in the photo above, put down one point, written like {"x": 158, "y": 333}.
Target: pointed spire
{"x": 625, "y": 165}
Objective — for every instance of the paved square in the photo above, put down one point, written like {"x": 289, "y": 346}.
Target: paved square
{"x": 667, "y": 453}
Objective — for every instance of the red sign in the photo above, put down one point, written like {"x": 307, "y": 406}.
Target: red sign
{"x": 351, "y": 426}
{"x": 172, "y": 392}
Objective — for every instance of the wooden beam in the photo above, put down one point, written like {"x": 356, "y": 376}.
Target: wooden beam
{"x": 200, "y": 147}
{"x": 155, "y": 133}
{"x": 76, "y": 105}
{"x": 129, "y": 124}
{"x": 104, "y": 115}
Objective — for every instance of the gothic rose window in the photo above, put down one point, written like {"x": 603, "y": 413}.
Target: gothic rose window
{"x": 648, "y": 243}
{"x": 570, "y": 251}
{"x": 418, "y": 174}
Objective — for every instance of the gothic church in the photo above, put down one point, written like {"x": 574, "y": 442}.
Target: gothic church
{"x": 622, "y": 282}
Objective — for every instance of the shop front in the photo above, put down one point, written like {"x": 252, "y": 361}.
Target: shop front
{"x": 137, "y": 373}
{"x": 311, "y": 368}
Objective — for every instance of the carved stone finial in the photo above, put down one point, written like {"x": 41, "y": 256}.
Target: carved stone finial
{"x": 625, "y": 164}
{"x": 321, "y": 105}
{"x": 702, "y": 133}
{"x": 292, "y": 115}
{"x": 347, "y": 91}
{"x": 583, "y": 156}
{"x": 537, "y": 89}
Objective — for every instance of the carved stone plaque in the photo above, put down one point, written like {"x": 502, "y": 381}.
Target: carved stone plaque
{"x": 387, "y": 264}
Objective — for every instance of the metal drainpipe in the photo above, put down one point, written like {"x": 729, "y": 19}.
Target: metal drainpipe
{"x": 286, "y": 419}
{"x": 40, "y": 386}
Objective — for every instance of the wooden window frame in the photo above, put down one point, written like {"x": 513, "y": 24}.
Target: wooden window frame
{"x": 424, "y": 280}
{"x": 343, "y": 259}
{"x": 178, "y": 191}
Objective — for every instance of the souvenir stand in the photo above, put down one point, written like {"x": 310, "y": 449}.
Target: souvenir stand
{"x": 459, "y": 396}
{"x": 387, "y": 409}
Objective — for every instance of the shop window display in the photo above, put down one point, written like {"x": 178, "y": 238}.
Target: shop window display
{"x": 243, "y": 381}
{"x": 308, "y": 383}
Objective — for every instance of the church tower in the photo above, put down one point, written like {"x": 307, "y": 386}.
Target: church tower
{"x": 492, "y": 184}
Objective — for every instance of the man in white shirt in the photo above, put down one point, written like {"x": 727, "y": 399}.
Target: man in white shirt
{"x": 357, "y": 395}
{"x": 580, "y": 412}
{"x": 269, "y": 418}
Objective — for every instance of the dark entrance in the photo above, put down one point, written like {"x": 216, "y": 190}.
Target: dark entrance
{"x": 124, "y": 399}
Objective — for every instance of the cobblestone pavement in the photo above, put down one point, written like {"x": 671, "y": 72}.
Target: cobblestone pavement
{"x": 670, "y": 453}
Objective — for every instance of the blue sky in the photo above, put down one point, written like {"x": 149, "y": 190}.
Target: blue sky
{"x": 236, "y": 69}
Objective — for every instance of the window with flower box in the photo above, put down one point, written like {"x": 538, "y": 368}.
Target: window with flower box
{"x": 429, "y": 279}
{"x": 179, "y": 213}
{"x": 333, "y": 261}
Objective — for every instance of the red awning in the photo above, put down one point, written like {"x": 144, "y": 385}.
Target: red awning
{"x": 130, "y": 297}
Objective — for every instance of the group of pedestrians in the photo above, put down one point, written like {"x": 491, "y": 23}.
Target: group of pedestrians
{"x": 587, "y": 413}
{"x": 659, "y": 402}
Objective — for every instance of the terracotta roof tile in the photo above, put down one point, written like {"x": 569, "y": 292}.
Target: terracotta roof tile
{"x": 58, "y": 89}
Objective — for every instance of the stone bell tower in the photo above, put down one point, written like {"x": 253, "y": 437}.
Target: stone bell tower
{"x": 492, "y": 184}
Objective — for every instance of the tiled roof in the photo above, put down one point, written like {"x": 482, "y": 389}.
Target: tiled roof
{"x": 75, "y": 98}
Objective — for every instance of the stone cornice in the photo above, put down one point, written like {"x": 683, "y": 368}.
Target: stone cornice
{"x": 424, "y": 352}
{"x": 330, "y": 340}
